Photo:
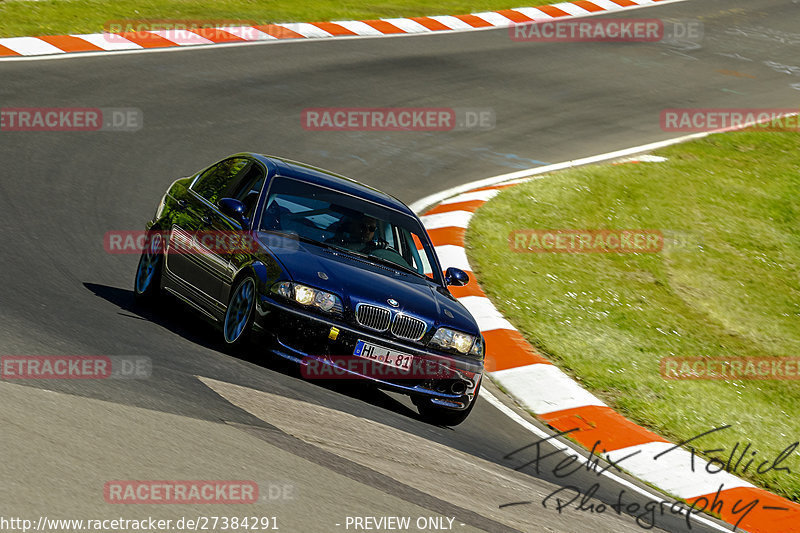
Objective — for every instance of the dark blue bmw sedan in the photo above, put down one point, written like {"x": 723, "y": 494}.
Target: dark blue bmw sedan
{"x": 319, "y": 269}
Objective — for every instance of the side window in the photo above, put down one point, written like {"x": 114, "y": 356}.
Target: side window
{"x": 411, "y": 249}
{"x": 213, "y": 182}
{"x": 248, "y": 188}
{"x": 420, "y": 258}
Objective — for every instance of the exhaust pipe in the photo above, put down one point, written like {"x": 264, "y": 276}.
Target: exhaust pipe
{"x": 458, "y": 387}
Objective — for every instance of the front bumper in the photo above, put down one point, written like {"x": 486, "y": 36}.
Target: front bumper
{"x": 304, "y": 337}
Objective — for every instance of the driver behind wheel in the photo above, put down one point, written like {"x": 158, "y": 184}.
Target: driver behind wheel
{"x": 358, "y": 233}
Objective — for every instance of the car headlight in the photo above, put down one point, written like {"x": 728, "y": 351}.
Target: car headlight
{"x": 308, "y": 296}
{"x": 453, "y": 340}
{"x": 325, "y": 300}
{"x": 478, "y": 348}
{"x": 304, "y": 295}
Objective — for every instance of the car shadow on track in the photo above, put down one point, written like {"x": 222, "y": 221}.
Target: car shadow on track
{"x": 172, "y": 315}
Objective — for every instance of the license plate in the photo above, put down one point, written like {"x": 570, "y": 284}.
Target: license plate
{"x": 373, "y": 352}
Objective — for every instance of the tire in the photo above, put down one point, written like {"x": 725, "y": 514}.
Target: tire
{"x": 238, "y": 323}
{"x": 442, "y": 416}
{"x": 147, "y": 282}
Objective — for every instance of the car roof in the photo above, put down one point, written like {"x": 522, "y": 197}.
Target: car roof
{"x": 326, "y": 178}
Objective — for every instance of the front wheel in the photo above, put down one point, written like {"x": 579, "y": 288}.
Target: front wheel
{"x": 442, "y": 416}
{"x": 147, "y": 284}
{"x": 239, "y": 315}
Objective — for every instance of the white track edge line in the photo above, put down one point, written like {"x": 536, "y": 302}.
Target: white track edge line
{"x": 438, "y": 197}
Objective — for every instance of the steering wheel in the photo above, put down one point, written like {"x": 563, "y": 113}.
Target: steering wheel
{"x": 384, "y": 251}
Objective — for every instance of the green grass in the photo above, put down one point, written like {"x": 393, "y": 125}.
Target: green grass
{"x": 59, "y": 17}
{"x": 732, "y": 290}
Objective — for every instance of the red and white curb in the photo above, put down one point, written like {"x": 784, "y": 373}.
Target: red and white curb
{"x": 54, "y": 45}
{"x": 543, "y": 389}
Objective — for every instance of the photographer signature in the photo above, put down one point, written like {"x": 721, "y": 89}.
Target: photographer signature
{"x": 647, "y": 513}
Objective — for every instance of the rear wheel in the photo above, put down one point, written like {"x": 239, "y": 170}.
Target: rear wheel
{"x": 442, "y": 416}
{"x": 239, "y": 315}
{"x": 147, "y": 284}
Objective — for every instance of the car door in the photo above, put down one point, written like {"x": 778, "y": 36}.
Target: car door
{"x": 246, "y": 188}
{"x": 195, "y": 253}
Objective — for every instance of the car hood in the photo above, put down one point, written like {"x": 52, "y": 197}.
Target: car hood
{"x": 356, "y": 280}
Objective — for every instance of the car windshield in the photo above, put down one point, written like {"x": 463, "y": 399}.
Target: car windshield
{"x": 331, "y": 218}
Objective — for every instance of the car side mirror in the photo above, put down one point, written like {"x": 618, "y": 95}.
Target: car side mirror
{"x": 233, "y": 208}
{"x": 455, "y": 277}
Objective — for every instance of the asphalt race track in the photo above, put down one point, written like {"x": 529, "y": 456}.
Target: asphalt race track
{"x": 207, "y": 414}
